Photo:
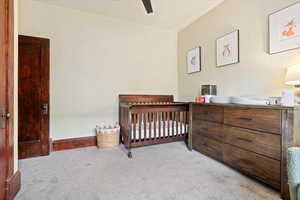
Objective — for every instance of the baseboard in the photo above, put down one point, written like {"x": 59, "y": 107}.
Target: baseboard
{"x": 73, "y": 143}
{"x": 13, "y": 186}
{"x": 51, "y": 144}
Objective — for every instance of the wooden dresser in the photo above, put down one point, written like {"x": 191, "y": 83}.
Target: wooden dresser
{"x": 251, "y": 139}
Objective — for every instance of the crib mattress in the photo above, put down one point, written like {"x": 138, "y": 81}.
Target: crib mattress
{"x": 165, "y": 130}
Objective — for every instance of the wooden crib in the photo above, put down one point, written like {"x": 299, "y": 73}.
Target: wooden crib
{"x": 151, "y": 119}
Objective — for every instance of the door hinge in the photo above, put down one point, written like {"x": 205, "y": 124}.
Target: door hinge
{"x": 45, "y": 109}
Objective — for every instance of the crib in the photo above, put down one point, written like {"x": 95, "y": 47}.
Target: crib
{"x": 151, "y": 119}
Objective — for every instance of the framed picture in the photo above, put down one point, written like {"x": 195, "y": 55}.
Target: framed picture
{"x": 227, "y": 48}
{"x": 284, "y": 29}
{"x": 194, "y": 60}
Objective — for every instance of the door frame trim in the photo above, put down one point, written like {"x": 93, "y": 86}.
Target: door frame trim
{"x": 13, "y": 185}
{"x": 12, "y": 179}
{"x": 45, "y": 92}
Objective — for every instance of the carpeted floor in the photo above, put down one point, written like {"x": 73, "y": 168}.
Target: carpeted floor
{"x": 161, "y": 172}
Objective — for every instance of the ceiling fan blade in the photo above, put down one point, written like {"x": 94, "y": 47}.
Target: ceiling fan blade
{"x": 148, "y": 6}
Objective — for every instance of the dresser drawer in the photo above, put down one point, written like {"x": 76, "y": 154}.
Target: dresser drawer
{"x": 208, "y": 129}
{"x": 208, "y": 113}
{"x": 256, "y": 119}
{"x": 262, "y": 143}
{"x": 208, "y": 147}
{"x": 260, "y": 167}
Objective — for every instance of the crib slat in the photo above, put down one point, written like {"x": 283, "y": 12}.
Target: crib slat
{"x": 138, "y": 118}
{"x": 172, "y": 118}
{"x": 155, "y": 125}
{"x": 150, "y": 125}
{"x": 137, "y": 126}
{"x": 140, "y": 125}
{"x": 163, "y": 124}
{"x": 134, "y": 127}
{"x": 174, "y": 127}
{"x": 181, "y": 122}
{"x": 164, "y": 121}
{"x": 177, "y": 124}
{"x": 145, "y": 126}
{"x": 159, "y": 125}
{"x": 186, "y": 122}
{"x": 169, "y": 123}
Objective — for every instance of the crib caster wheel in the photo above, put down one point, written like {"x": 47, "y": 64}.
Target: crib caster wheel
{"x": 129, "y": 155}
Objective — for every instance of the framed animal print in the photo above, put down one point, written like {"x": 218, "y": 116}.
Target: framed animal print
{"x": 227, "y": 49}
{"x": 284, "y": 29}
{"x": 194, "y": 60}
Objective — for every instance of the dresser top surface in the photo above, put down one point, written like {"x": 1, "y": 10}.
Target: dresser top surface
{"x": 249, "y": 106}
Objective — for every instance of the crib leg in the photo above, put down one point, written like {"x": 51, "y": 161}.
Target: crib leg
{"x": 129, "y": 153}
{"x": 121, "y": 139}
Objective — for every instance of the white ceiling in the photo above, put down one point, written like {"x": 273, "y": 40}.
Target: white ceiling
{"x": 171, "y": 14}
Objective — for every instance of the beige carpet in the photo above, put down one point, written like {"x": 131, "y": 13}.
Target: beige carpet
{"x": 161, "y": 172}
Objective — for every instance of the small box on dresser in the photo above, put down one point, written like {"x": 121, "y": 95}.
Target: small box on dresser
{"x": 251, "y": 139}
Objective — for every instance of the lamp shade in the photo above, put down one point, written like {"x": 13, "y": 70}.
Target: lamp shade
{"x": 293, "y": 75}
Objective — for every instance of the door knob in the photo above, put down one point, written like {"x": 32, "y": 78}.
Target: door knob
{"x": 5, "y": 115}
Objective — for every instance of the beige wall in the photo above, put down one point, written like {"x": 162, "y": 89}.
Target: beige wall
{"x": 258, "y": 74}
{"x": 16, "y": 86}
{"x": 95, "y": 58}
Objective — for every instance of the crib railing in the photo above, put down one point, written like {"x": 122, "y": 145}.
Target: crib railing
{"x": 147, "y": 125}
{"x": 157, "y": 125}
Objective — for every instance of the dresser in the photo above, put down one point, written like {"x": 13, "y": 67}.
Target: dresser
{"x": 251, "y": 139}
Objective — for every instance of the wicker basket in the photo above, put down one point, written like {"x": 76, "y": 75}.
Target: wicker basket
{"x": 108, "y": 138}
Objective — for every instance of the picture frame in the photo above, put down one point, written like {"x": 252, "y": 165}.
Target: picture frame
{"x": 228, "y": 49}
{"x": 194, "y": 60}
{"x": 284, "y": 29}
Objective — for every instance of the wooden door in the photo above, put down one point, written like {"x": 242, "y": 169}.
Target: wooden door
{"x": 6, "y": 97}
{"x": 33, "y": 97}
{"x": 3, "y": 103}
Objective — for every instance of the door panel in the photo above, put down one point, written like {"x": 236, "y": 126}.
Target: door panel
{"x": 3, "y": 78}
{"x": 6, "y": 96}
{"x": 33, "y": 95}
{"x": 29, "y": 92}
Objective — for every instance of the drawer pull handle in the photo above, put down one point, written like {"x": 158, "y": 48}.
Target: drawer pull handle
{"x": 205, "y": 144}
{"x": 246, "y": 119}
{"x": 245, "y": 140}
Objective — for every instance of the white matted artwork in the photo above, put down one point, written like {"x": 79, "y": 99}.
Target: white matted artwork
{"x": 194, "y": 60}
{"x": 227, "y": 48}
{"x": 284, "y": 28}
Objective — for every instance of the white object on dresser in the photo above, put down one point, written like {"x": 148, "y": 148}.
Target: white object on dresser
{"x": 220, "y": 99}
{"x": 248, "y": 101}
{"x": 208, "y": 98}
{"x": 288, "y": 98}
{"x": 293, "y": 78}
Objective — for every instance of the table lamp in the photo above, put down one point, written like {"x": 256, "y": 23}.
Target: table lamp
{"x": 293, "y": 78}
